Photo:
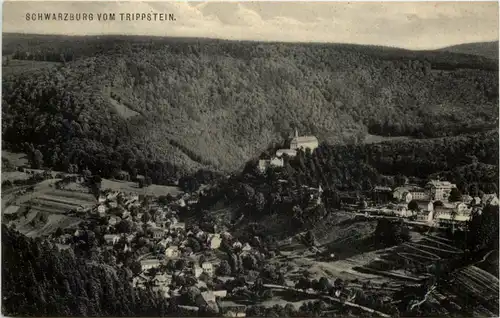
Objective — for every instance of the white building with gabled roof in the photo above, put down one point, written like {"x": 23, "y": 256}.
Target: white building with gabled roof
{"x": 304, "y": 142}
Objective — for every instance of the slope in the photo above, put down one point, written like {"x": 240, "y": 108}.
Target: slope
{"x": 209, "y": 103}
{"x": 486, "y": 49}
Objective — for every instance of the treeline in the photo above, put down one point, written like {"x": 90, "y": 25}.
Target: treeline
{"x": 221, "y": 102}
{"x": 40, "y": 280}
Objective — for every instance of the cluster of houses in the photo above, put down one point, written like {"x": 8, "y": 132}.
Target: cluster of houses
{"x": 297, "y": 142}
{"x": 430, "y": 204}
{"x": 171, "y": 237}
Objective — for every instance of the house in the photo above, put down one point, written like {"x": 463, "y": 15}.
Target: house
{"x": 226, "y": 235}
{"x": 401, "y": 211}
{"x": 126, "y": 214}
{"x": 220, "y": 293}
{"x": 447, "y": 218}
{"x": 207, "y": 268}
{"x": 439, "y": 190}
{"x": 101, "y": 209}
{"x": 111, "y": 238}
{"x": 232, "y": 309}
{"x": 158, "y": 233}
{"x": 197, "y": 271}
{"x": 200, "y": 234}
{"x": 214, "y": 241}
{"x": 418, "y": 194}
{"x": 181, "y": 202}
{"x": 406, "y": 197}
{"x": 273, "y": 162}
{"x": 398, "y": 193}
{"x": 164, "y": 290}
{"x": 237, "y": 244}
{"x": 467, "y": 199}
{"x": 162, "y": 279}
{"x": 101, "y": 199}
{"x": 489, "y": 199}
{"x": 288, "y": 152}
{"x": 461, "y": 208}
{"x": 172, "y": 252}
{"x": 246, "y": 248}
{"x": 126, "y": 248}
{"x": 112, "y": 220}
{"x": 165, "y": 242}
{"x": 476, "y": 201}
{"x": 425, "y": 205}
{"x": 150, "y": 263}
{"x": 130, "y": 237}
{"x": 303, "y": 142}
{"x": 138, "y": 281}
{"x": 207, "y": 298}
{"x": 381, "y": 194}
{"x": 178, "y": 225}
{"x": 113, "y": 204}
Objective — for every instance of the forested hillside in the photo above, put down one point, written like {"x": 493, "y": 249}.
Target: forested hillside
{"x": 153, "y": 105}
{"x": 39, "y": 280}
{"x": 487, "y": 49}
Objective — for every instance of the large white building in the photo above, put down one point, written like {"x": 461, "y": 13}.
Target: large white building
{"x": 304, "y": 142}
{"x": 439, "y": 190}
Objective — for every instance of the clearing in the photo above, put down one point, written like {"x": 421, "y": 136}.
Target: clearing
{"x": 132, "y": 187}
{"x": 372, "y": 139}
{"x": 122, "y": 110}
{"x": 17, "y": 67}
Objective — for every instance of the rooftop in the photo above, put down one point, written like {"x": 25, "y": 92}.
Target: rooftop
{"x": 302, "y": 139}
{"x": 439, "y": 183}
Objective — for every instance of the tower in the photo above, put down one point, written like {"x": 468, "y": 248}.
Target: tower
{"x": 296, "y": 133}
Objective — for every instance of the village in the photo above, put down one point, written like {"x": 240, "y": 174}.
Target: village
{"x": 204, "y": 268}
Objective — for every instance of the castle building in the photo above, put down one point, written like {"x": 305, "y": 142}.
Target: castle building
{"x": 304, "y": 142}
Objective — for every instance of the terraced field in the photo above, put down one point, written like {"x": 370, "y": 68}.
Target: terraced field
{"x": 472, "y": 289}
{"x": 44, "y": 210}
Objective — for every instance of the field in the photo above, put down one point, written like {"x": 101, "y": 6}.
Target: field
{"x": 14, "y": 175}
{"x": 384, "y": 272}
{"x": 372, "y": 139}
{"x": 24, "y": 66}
{"x": 123, "y": 110}
{"x": 43, "y": 210}
{"x": 132, "y": 187}
{"x": 17, "y": 159}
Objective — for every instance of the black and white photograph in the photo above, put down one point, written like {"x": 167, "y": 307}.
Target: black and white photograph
{"x": 250, "y": 159}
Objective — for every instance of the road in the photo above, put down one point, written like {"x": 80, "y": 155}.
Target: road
{"x": 327, "y": 297}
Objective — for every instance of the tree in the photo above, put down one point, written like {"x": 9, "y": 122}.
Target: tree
{"x": 124, "y": 226}
{"x": 455, "y": 195}
{"x": 37, "y": 159}
{"x": 224, "y": 269}
{"x": 391, "y": 233}
{"x": 483, "y": 229}
{"x": 180, "y": 264}
{"x": 413, "y": 206}
{"x": 324, "y": 284}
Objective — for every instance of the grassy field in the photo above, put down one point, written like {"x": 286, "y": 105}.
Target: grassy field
{"x": 123, "y": 110}
{"x": 17, "y": 159}
{"x": 14, "y": 175}
{"x": 372, "y": 139}
{"x": 24, "y": 66}
{"x": 132, "y": 187}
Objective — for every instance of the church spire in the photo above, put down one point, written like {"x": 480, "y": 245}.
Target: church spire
{"x": 296, "y": 133}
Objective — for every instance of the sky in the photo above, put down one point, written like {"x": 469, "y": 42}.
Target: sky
{"x": 411, "y": 25}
